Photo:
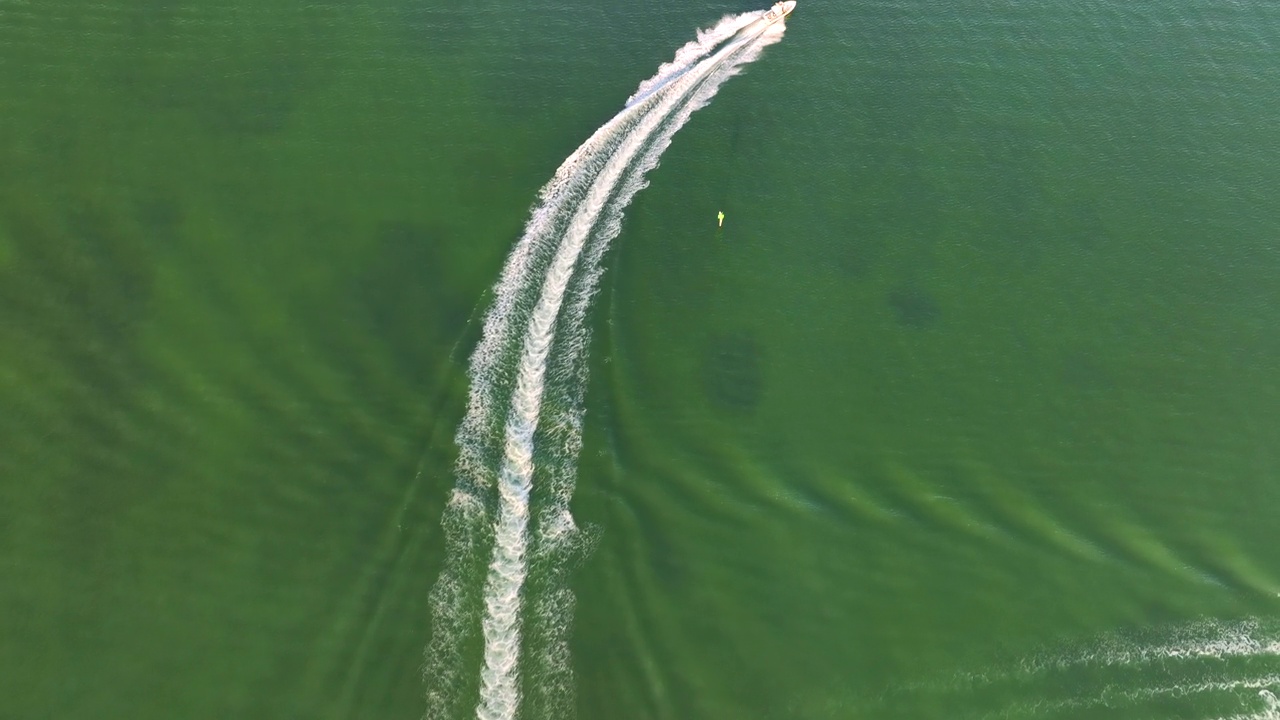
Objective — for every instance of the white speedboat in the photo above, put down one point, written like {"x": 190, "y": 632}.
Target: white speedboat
{"x": 780, "y": 10}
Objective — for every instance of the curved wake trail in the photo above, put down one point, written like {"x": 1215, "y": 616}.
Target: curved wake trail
{"x": 686, "y": 56}
{"x": 529, "y": 329}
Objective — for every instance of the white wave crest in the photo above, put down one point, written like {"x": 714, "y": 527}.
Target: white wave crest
{"x": 707, "y": 41}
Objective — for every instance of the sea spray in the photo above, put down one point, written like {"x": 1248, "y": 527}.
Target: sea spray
{"x": 1207, "y": 669}
{"x": 528, "y": 375}
{"x": 708, "y": 40}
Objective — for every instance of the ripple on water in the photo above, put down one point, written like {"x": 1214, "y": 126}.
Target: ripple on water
{"x": 74, "y": 293}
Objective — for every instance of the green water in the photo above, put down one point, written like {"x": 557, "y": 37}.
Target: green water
{"x": 972, "y": 402}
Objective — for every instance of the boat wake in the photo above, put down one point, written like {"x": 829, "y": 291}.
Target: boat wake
{"x": 1208, "y": 669}
{"x": 500, "y": 628}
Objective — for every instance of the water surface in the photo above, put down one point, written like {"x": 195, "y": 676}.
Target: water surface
{"x": 968, "y": 411}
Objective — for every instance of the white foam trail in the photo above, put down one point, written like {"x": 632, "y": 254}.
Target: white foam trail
{"x": 686, "y": 56}
{"x": 1271, "y": 705}
{"x": 1204, "y": 669}
{"x": 1204, "y": 640}
{"x": 557, "y": 542}
{"x": 578, "y": 213}
{"x": 540, "y": 237}
{"x": 500, "y": 692}
{"x": 1270, "y": 708}
{"x": 1137, "y": 700}
{"x": 455, "y": 597}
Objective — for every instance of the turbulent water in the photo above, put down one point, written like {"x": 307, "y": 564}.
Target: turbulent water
{"x": 521, "y": 435}
{"x": 1207, "y": 669}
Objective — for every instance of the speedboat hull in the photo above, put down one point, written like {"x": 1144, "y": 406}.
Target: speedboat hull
{"x": 780, "y": 10}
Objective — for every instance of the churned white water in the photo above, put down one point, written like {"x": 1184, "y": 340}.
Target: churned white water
{"x": 1212, "y": 670}
{"x": 511, "y": 438}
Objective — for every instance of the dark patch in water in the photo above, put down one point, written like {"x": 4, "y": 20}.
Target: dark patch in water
{"x": 731, "y": 372}
{"x": 913, "y": 306}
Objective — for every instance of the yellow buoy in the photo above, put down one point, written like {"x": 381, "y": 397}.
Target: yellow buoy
{"x": 720, "y": 219}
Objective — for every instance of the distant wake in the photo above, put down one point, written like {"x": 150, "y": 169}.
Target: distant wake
{"x": 1207, "y": 670}
{"x": 496, "y": 622}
